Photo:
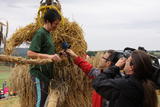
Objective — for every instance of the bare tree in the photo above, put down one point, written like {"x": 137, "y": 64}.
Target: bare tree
{"x": 2, "y": 35}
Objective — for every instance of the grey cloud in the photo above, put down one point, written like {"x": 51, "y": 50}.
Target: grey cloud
{"x": 13, "y": 6}
{"x": 106, "y": 23}
{"x": 133, "y": 25}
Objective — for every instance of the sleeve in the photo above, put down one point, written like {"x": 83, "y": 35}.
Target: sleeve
{"x": 36, "y": 43}
{"x": 94, "y": 72}
{"x": 86, "y": 67}
{"x": 106, "y": 85}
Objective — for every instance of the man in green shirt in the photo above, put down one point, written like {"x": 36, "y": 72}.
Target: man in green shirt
{"x": 42, "y": 47}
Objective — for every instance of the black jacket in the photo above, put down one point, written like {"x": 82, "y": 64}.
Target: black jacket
{"x": 121, "y": 92}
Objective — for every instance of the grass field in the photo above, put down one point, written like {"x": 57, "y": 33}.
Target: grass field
{"x": 5, "y": 68}
{"x": 11, "y": 102}
{"x": 4, "y": 74}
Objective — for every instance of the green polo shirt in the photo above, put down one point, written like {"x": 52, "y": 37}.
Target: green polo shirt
{"x": 42, "y": 43}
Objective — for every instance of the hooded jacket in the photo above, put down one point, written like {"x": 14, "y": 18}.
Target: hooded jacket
{"x": 121, "y": 92}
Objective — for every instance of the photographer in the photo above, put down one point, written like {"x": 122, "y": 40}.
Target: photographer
{"x": 134, "y": 90}
{"x": 106, "y": 61}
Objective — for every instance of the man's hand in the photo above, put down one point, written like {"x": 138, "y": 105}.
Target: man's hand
{"x": 55, "y": 57}
{"x": 71, "y": 53}
{"x": 62, "y": 53}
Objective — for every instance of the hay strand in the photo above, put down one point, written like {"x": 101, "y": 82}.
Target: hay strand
{"x": 20, "y": 60}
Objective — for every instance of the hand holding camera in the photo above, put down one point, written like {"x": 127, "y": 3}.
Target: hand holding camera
{"x": 71, "y": 53}
{"x": 121, "y": 62}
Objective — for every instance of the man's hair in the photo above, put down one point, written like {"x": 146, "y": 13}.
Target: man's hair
{"x": 112, "y": 56}
{"x": 143, "y": 70}
{"x": 51, "y": 15}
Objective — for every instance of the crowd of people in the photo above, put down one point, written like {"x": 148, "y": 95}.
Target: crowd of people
{"x": 131, "y": 88}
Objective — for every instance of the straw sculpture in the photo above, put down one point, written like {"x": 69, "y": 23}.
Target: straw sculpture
{"x": 69, "y": 87}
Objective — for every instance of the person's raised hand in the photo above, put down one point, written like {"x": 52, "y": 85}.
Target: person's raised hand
{"x": 71, "y": 53}
{"x": 121, "y": 62}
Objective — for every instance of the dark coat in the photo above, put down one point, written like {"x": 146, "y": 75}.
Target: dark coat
{"x": 121, "y": 92}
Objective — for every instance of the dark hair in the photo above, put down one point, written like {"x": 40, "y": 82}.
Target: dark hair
{"x": 112, "y": 56}
{"x": 51, "y": 15}
{"x": 142, "y": 65}
{"x": 142, "y": 71}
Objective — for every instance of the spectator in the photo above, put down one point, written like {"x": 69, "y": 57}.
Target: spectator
{"x": 134, "y": 90}
{"x": 4, "y": 85}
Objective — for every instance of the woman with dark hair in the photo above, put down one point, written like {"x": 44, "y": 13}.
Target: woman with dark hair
{"x": 134, "y": 90}
{"x": 42, "y": 46}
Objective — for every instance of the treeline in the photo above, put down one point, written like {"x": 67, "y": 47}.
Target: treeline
{"x": 17, "y": 52}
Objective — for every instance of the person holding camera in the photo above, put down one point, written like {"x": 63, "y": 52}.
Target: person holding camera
{"x": 107, "y": 60}
{"x": 135, "y": 89}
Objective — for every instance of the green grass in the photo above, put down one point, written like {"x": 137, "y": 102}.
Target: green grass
{"x": 4, "y": 74}
{"x": 11, "y": 102}
{"x": 5, "y": 68}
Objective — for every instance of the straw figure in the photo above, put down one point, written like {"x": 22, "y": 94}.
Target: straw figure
{"x": 69, "y": 87}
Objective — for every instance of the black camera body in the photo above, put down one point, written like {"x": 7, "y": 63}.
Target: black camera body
{"x": 126, "y": 53}
{"x": 117, "y": 55}
{"x": 155, "y": 63}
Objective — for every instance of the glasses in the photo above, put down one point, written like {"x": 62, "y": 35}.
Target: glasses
{"x": 106, "y": 59}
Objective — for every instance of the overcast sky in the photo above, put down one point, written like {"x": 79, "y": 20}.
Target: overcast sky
{"x": 107, "y": 24}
